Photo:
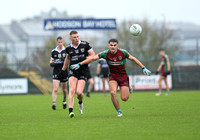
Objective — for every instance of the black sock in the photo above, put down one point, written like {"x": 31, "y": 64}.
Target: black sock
{"x": 70, "y": 110}
{"x": 80, "y": 102}
{"x": 64, "y": 99}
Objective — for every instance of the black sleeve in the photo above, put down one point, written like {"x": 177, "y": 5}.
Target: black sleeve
{"x": 52, "y": 54}
{"x": 88, "y": 46}
{"x": 66, "y": 51}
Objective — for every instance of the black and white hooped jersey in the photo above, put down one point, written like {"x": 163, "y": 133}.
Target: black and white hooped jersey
{"x": 59, "y": 57}
{"x": 79, "y": 53}
{"x": 103, "y": 64}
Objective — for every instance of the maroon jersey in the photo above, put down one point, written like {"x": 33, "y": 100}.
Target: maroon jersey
{"x": 164, "y": 60}
{"x": 117, "y": 61}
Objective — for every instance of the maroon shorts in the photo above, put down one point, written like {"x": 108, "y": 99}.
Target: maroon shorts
{"x": 122, "y": 80}
{"x": 164, "y": 74}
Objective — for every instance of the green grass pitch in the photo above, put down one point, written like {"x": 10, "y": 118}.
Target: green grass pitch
{"x": 146, "y": 117}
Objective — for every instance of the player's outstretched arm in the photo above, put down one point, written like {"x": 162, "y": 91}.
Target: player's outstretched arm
{"x": 86, "y": 61}
{"x": 144, "y": 69}
{"x": 90, "y": 59}
{"x": 135, "y": 60}
{"x": 91, "y": 53}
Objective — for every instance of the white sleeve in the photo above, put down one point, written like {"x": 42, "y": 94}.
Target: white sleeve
{"x": 90, "y": 50}
{"x": 166, "y": 57}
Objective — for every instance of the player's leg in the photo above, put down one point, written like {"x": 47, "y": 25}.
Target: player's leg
{"x": 72, "y": 88}
{"x": 54, "y": 92}
{"x": 91, "y": 84}
{"x": 113, "y": 92}
{"x": 79, "y": 91}
{"x": 107, "y": 79}
{"x": 167, "y": 86}
{"x": 104, "y": 86}
{"x": 159, "y": 86}
{"x": 123, "y": 82}
{"x": 124, "y": 93}
{"x": 64, "y": 89}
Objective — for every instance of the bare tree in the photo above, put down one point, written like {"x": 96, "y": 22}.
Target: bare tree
{"x": 147, "y": 45}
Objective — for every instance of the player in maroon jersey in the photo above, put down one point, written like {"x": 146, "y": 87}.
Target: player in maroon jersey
{"x": 116, "y": 59}
{"x": 165, "y": 70}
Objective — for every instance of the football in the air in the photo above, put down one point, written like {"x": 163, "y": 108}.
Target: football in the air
{"x": 135, "y": 29}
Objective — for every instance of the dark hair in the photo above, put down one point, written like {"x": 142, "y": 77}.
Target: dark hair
{"x": 161, "y": 49}
{"x": 59, "y": 38}
{"x": 73, "y": 32}
{"x": 113, "y": 40}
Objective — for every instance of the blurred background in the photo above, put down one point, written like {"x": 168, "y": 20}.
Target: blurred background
{"x": 25, "y": 47}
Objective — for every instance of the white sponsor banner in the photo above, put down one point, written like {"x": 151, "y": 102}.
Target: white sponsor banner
{"x": 98, "y": 86}
{"x": 14, "y": 86}
{"x": 143, "y": 82}
{"x": 137, "y": 82}
{"x": 69, "y": 24}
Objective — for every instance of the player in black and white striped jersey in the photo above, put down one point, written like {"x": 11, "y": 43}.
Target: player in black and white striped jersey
{"x": 56, "y": 62}
{"x": 76, "y": 52}
{"x": 103, "y": 72}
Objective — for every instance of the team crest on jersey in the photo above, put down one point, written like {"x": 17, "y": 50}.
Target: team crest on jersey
{"x": 82, "y": 49}
{"x": 55, "y": 55}
{"x": 59, "y": 56}
{"x": 120, "y": 57}
{"x": 63, "y": 54}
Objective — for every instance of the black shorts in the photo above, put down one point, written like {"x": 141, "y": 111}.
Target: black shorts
{"x": 88, "y": 74}
{"x": 79, "y": 74}
{"x": 104, "y": 74}
{"x": 63, "y": 79}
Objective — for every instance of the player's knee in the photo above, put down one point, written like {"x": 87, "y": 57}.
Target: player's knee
{"x": 65, "y": 90}
{"x": 113, "y": 93}
{"x": 55, "y": 90}
{"x": 92, "y": 83}
{"x": 72, "y": 91}
{"x": 79, "y": 93}
{"x": 124, "y": 98}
